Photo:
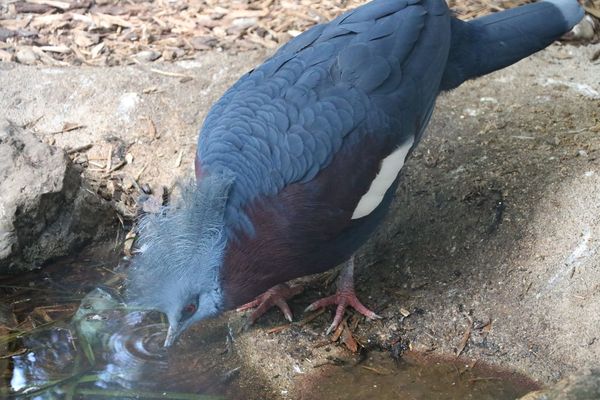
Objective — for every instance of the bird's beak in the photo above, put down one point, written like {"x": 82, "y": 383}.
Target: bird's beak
{"x": 172, "y": 335}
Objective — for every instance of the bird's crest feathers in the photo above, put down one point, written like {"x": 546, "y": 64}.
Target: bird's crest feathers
{"x": 180, "y": 249}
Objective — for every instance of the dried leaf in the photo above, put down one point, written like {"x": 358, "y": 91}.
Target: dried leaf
{"x": 465, "y": 338}
{"x": 348, "y": 339}
{"x": 97, "y": 50}
{"x": 107, "y": 21}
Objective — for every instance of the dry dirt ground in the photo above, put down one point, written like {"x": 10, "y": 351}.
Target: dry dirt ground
{"x": 491, "y": 249}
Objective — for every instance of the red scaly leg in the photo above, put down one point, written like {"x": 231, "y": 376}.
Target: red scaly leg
{"x": 344, "y": 297}
{"x": 276, "y": 296}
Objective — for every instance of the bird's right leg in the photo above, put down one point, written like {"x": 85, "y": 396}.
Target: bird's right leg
{"x": 276, "y": 296}
{"x": 344, "y": 297}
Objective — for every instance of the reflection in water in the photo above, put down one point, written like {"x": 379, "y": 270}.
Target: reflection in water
{"x": 50, "y": 357}
{"x": 108, "y": 351}
{"x": 136, "y": 355}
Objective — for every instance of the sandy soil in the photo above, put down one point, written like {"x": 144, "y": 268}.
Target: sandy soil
{"x": 491, "y": 245}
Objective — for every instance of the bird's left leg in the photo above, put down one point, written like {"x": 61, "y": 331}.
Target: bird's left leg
{"x": 276, "y": 296}
{"x": 344, "y": 297}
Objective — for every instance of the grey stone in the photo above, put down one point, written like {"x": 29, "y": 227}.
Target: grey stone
{"x": 26, "y": 56}
{"x": 148, "y": 55}
{"x": 584, "y": 385}
{"x": 44, "y": 210}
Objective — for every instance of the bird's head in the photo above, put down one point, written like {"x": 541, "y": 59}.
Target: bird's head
{"x": 180, "y": 252}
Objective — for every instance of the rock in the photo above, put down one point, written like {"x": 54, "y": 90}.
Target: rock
{"x": 147, "y": 55}
{"x": 6, "y": 33}
{"x": 241, "y": 24}
{"x": 585, "y": 30}
{"x": 171, "y": 53}
{"x": 45, "y": 212}
{"x": 203, "y": 42}
{"x": 584, "y": 385}
{"x": 5, "y": 56}
{"x": 26, "y": 56}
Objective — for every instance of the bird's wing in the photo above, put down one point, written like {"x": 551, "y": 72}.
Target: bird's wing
{"x": 373, "y": 71}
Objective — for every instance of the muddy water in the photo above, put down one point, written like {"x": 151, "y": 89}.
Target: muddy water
{"x": 416, "y": 377}
{"x": 74, "y": 341}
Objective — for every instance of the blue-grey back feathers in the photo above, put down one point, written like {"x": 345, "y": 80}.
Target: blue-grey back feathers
{"x": 495, "y": 41}
{"x": 330, "y": 87}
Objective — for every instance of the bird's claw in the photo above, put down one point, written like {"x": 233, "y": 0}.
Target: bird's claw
{"x": 342, "y": 299}
{"x": 276, "y": 296}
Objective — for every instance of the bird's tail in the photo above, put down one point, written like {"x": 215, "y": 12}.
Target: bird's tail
{"x": 495, "y": 41}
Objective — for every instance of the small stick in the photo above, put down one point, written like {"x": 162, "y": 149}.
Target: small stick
{"x": 372, "y": 369}
{"x": 109, "y": 159}
{"x": 79, "y": 149}
{"x": 68, "y": 128}
{"x": 171, "y": 74}
{"x": 116, "y": 167}
{"x": 465, "y": 338}
{"x": 139, "y": 174}
{"x": 278, "y": 329}
{"x": 178, "y": 162}
{"x": 98, "y": 165}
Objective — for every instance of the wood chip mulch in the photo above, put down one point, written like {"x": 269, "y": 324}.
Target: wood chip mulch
{"x": 113, "y": 32}
{"x": 117, "y": 32}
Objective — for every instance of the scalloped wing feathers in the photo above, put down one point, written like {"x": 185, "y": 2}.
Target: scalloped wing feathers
{"x": 283, "y": 122}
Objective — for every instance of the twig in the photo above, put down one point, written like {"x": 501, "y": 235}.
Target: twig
{"x": 179, "y": 158}
{"x": 80, "y": 148}
{"x": 465, "y": 338}
{"x": 109, "y": 159}
{"x": 68, "y": 128}
{"x": 372, "y": 369}
{"x": 278, "y": 329}
{"x": 171, "y": 74}
{"x": 120, "y": 165}
{"x": 139, "y": 174}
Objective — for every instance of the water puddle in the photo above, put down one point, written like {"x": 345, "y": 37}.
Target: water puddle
{"x": 69, "y": 344}
{"x": 416, "y": 377}
{"x": 63, "y": 337}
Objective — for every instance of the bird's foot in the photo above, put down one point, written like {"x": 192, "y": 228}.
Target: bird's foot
{"x": 276, "y": 296}
{"x": 344, "y": 297}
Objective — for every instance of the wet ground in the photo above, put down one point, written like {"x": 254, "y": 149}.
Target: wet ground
{"x": 77, "y": 342}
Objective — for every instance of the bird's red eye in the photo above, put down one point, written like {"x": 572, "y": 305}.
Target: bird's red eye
{"x": 189, "y": 309}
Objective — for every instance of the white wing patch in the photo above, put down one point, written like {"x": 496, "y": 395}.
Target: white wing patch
{"x": 390, "y": 167}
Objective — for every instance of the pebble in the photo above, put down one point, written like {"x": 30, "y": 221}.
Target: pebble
{"x": 148, "y": 55}
{"x": 171, "y": 54}
{"x": 585, "y": 29}
{"x": 26, "y": 56}
{"x": 5, "y": 56}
